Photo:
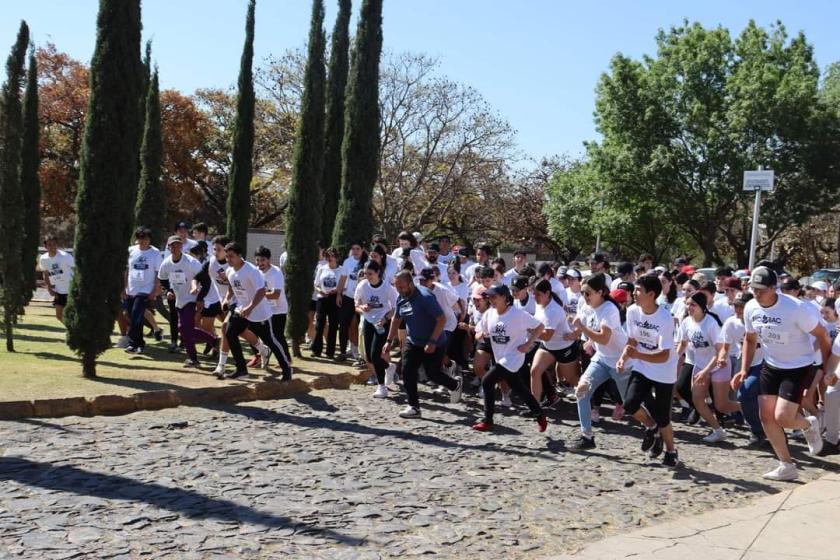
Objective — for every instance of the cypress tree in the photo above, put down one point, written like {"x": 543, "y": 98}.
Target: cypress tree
{"x": 336, "y": 85}
{"x": 360, "y": 147}
{"x": 303, "y": 215}
{"x": 108, "y": 179}
{"x": 11, "y": 197}
{"x": 29, "y": 183}
{"x": 151, "y": 195}
{"x": 241, "y": 168}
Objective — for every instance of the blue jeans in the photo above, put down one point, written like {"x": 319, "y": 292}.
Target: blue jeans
{"x": 748, "y": 397}
{"x": 136, "y": 309}
{"x": 598, "y": 373}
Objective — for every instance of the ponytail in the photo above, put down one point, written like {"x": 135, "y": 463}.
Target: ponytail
{"x": 544, "y": 286}
{"x": 598, "y": 282}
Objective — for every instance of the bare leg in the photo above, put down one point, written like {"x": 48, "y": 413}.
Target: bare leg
{"x": 699, "y": 392}
{"x": 542, "y": 361}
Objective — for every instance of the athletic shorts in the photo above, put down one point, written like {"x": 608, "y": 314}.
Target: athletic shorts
{"x": 313, "y": 305}
{"x": 566, "y": 355}
{"x": 787, "y": 384}
{"x": 60, "y": 300}
{"x": 212, "y": 310}
{"x": 484, "y": 346}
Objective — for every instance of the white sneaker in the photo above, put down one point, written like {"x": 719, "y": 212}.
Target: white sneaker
{"x": 785, "y": 471}
{"x": 265, "y": 354}
{"x": 596, "y": 416}
{"x": 390, "y": 373}
{"x": 506, "y": 400}
{"x": 453, "y": 370}
{"x": 455, "y": 394}
{"x": 813, "y": 437}
{"x": 381, "y": 392}
{"x": 410, "y": 412}
{"x": 123, "y": 342}
{"x": 717, "y": 435}
{"x": 439, "y": 390}
{"x": 219, "y": 371}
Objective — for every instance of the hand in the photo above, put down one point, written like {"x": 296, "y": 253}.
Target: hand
{"x": 577, "y": 323}
{"x": 430, "y": 348}
{"x": 720, "y": 363}
{"x": 737, "y": 380}
{"x": 386, "y": 351}
{"x": 582, "y": 388}
{"x": 51, "y": 291}
{"x": 831, "y": 379}
{"x": 619, "y": 365}
{"x": 338, "y": 299}
{"x": 524, "y": 348}
{"x": 631, "y": 352}
{"x": 701, "y": 378}
{"x": 365, "y": 308}
{"x": 245, "y": 311}
{"x": 193, "y": 290}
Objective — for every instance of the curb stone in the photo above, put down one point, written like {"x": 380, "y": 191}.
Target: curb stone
{"x": 115, "y": 405}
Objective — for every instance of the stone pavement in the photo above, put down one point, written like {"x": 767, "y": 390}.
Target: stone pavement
{"x": 335, "y": 474}
{"x": 794, "y": 524}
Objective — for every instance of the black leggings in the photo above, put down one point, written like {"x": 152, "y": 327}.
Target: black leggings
{"x": 374, "y": 342}
{"x": 415, "y": 356}
{"x": 325, "y": 310}
{"x": 514, "y": 380}
{"x": 237, "y": 325}
{"x": 684, "y": 384}
{"x": 455, "y": 351}
{"x": 278, "y": 326}
{"x": 654, "y": 395}
{"x": 346, "y": 315}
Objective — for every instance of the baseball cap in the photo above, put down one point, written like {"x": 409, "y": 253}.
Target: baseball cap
{"x": 626, "y": 286}
{"x": 418, "y": 236}
{"x": 791, "y": 284}
{"x": 732, "y": 282}
{"x": 463, "y": 252}
{"x": 174, "y": 239}
{"x": 742, "y": 298}
{"x": 182, "y": 224}
{"x": 681, "y": 261}
{"x": 763, "y": 277}
{"x": 574, "y": 273}
{"x": 820, "y": 285}
{"x": 659, "y": 269}
{"x": 520, "y": 282}
{"x": 562, "y": 271}
{"x": 620, "y": 296}
{"x": 479, "y": 292}
{"x": 500, "y": 290}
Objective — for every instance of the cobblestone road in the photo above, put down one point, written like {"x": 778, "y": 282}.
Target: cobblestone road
{"x": 336, "y": 475}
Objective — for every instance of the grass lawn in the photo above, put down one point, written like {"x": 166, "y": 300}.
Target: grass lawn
{"x": 43, "y": 367}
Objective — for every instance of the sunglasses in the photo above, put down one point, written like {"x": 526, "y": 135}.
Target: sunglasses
{"x": 587, "y": 292}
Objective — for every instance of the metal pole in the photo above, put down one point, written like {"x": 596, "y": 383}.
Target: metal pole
{"x": 598, "y": 238}
{"x": 754, "y": 235}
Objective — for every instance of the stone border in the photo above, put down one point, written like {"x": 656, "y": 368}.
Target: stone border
{"x": 115, "y": 405}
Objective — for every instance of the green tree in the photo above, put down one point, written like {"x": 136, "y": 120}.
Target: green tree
{"x": 108, "y": 179}
{"x": 680, "y": 129}
{"x": 336, "y": 86}
{"x": 304, "y": 212}
{"x": 150, "y": 210}
{"x": 241, "y": 170}
{"x": 360, "y": 147}
{"x": 30, "y": 185}
{"x": 11, "y": 197}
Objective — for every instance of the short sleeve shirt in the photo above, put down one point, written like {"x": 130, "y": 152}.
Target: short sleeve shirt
{"x": 507, "y": 332}
{"x": 783, "y": 330}
{"x": 653, "y": 333}
{"x": 274, "y": 280}
{"x": 420, "y": 312}
{"x": 180, "y": 275}
{"x": 245, "y": 283}
{"x": 143, "y": 269}
{"x": 60, "y": 270}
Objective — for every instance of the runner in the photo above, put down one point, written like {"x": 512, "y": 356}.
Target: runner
{"x": 329, "y": 283}
{"x": 624, "y": 273}
{"x": 57, "y": 267}
{"x": 275, "y": 293}
{"x": 831, "y": 419}
{"x": 450, "y": 303}
{"x": 522, "y": 298}
{"x": 142, "y": 286}
{"x": 599, "y": 263}
{"x": 512, "y": 333}
{"x": 425, "y": 341}
{"x": 445, "y": 247}
{"x": 375, "y": 300}
{"x": 601, "y": 325}
{"x": 732, "y": 335}
{"x": 782, "y": 324}
{"x": 650, "y": 346}
{"x": 573, "y": 291}
{"x": 252, "y": 313}
{"x": 520, "y": 257}
{"x": 348, "y": 321}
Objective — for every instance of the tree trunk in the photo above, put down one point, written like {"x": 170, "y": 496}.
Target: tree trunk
{"x": 89, "y": 365}
{"x": 10, "y": 342}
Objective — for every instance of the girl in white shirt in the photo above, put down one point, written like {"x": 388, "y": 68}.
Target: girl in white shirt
{"x": 329, "y": 283}
{"x": 375, "y": 301}
{"x": 557, "y": 340}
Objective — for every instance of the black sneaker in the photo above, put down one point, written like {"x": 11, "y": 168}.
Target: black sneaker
{"x": 583, "y": 442}
{"x": 738, "y": 418}
{"x": 693, "y": 417}
{"x": 158, "y": 334}
{"x": 656, "y": 449}
{"x": 670, "y": 459}
{"x": 828, "y": 449}
{"x": 173, "y": 348}
{"x": 648, "y": 439}
{"x": 756, "y": 440}
{"x": 236, "y": 373}
{"x": 341, "y": 358}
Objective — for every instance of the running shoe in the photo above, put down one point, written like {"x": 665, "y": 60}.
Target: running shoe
{"x": 671, "y": 459}
{"x": 476, "y": 382}
{"x": 134, "y": 350}
{"x": 173, "y": 348}
{"x": 123, "y": 342}
{"x": 828, "y": 449}
{"x": 506, "y": 400}
{"x": 716, "y": 436}
{"x": 483, "y": 426}
{"x": 219, "y": 371}
{"x": 236, "y": 373}
{"x": 341, "y": 358}
{"x": 439, "y": 390}
{"x": 596, "y": 416}
{"x": 158, "y": 334}
{"x": 381, "y": 392}
{"x": 455, "y": 394}
{"x": 756, "y": 440}
{"x": 390, "y": 373}
{"x": 265, "y": 354}
{"x": 813, "y": 437}
{"x": 649, "y": 437}
{"x": 553, "y": 400}
{"x": 656, "y": 448}
{"x": 190, "y": 364}
{"x": 410, "y": 412}
{"x": 542, "y": 423}
{"x": 582, "y": 442}
{"x": 371, "y": 380}
{"x": 784, "y": 472}
{"x": 693, "y": 417}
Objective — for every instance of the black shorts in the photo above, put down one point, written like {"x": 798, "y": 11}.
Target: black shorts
{"x": 212, "y": 310}
{"x": 150, "y": 304}
{"x": 484, "y": 346}
{"x": 60, "y": 300}
{"x": 313, "y": 305}
{"x": 787, "y": 384}
{"x": 566, "y": 355}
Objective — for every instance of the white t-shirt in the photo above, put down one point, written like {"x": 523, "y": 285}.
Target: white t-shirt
{"x": 462, "y": 291}
{"x": 380, "y": 299}
{"x": 835, "y": 349}
{"x": 732, "y": 333}
{"x": 60, "y": 270}
{"x": 507, "y": 277}
{"x": 507, "y": 333}
{"x": 662, "y": 301}
{"x": 558, "y": 288}
{"x": 143, "y": 268}
{"x": 180, "y": 275}
{"x": 701, "y": 338}
{"x": 245, "y": 283}
{"x": 417, "y": 257}
{"x": 678, "y": 308}
{"x": 327, "y": 279}
{"x": 352, "y": 268}
{"x": 723, "y": 310}
{"x": 217, "y": 271}
{"x": 572, "y": 298}
{"x": 553, "y": 317}
{"x": 283, "y": 258}
{"x": 275, "y": 280}
{"x": 653, "y": 333}
{"x": 447, "y": 299}
{"x": 530, "y": 306}
{"x": 783, "y": 330}
{"x": 607, "y": 314}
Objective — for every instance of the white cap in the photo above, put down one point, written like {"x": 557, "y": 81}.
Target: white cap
{"x": 418, "y": 236}
{"x": 659, "y": 269}
{"x": 820, "y": 285}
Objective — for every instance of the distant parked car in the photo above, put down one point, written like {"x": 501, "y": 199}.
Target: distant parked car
{"x": 709, "y": 273}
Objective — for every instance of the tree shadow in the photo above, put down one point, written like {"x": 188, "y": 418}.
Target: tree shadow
{"x": 67, "y": 478}
{"x": 33, "y": 338}
{"x": 43, "y": 424}
{"x": 57, "y": 328}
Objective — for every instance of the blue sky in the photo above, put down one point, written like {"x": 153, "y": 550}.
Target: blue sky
{"x": 535, "y": 61}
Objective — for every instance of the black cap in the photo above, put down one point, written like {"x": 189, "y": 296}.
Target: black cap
{"x": 624, "y": 268}
{"x": 763, "y": 277}
{"x": 742, "y": 298}
{"x": 520, "y": 282}
{"x": 681, "y": 260}
{"x": 626, "y": 286}
{"x": 427, "y": 273}
{"x": 599, "y": 258}
{"x": 500, "y": 290}
{"x": 791, "y": 284}
{"x": 182, "y": 224}
{"x": 434, "y": 247}
{"x": 463, "y": 252}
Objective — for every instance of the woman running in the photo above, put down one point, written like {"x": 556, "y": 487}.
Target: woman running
{"x": 329, "y": 283}
{"x": 375, "y": 300}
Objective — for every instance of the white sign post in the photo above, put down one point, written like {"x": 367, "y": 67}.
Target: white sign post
{"x": 758, "y": 181}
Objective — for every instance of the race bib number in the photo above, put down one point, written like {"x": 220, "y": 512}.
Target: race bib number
{"x": 179, "y": 278}
{"x": 329, "y": 282}
{"x": 138, "y": 274}
{"x": 241, "y": 295}
{"x": 769, "y": 335}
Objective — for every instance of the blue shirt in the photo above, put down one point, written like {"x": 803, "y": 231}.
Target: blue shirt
{"x": 420, "y": 313}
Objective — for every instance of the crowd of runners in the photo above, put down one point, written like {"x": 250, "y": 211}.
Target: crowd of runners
{"x": 748, "y": 349}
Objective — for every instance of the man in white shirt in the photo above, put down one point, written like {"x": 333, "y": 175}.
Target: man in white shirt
{"x": 275, "y": 293}
{"x": 142, "y": 285}
{"x": 348, "y": 320}
{"x": 782, "y": 325}
{"x": 57, "y": 267}
{"x": 445, "y": 249}
{"x": 519, "y": 263}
